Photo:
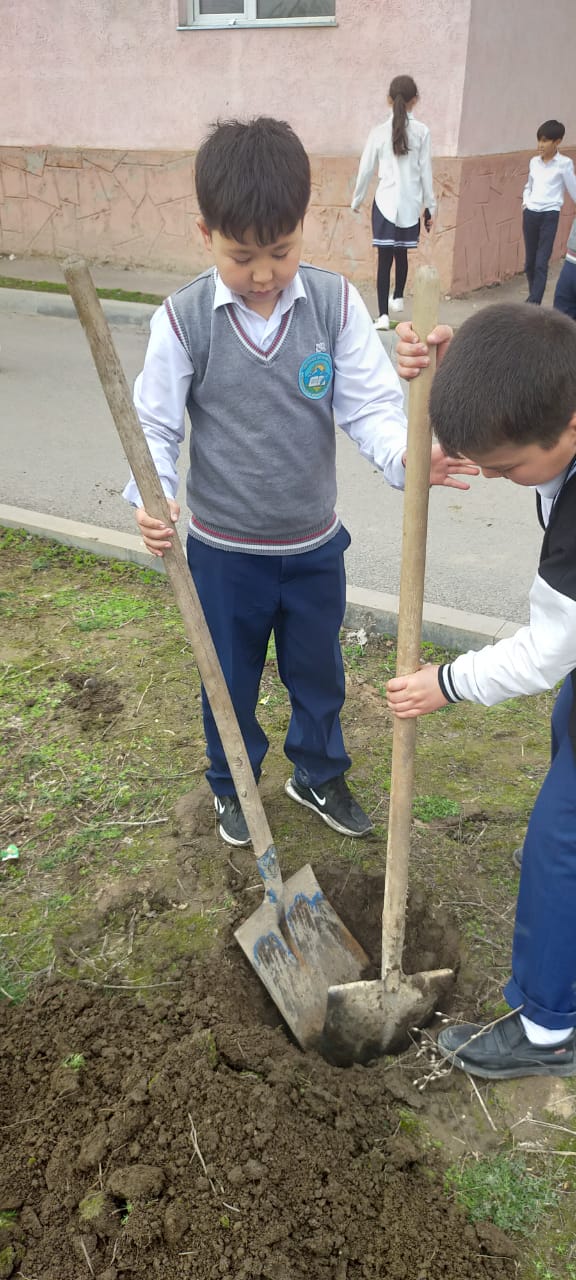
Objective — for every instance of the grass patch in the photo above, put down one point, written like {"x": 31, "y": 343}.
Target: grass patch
{"x": 75, "y": 1061}
{"x": 54, "y": 286}
{"x": 427, "y": 808}
{"x": 502, "y": 1189}
{"x": 89, "y": 795}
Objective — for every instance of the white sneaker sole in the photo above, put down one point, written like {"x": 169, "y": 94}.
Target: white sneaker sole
{"x": 330, "y": 822}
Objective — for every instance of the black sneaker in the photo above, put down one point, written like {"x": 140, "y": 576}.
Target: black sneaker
{"x": 232, "y": 824}
{"x": 334, "y": 802}
{"x": 517, "y": 857}
{"x": 503, "y": 1051}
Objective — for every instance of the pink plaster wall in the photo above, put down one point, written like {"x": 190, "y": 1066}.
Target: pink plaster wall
{"x": 139, "y": 209}
{"x": 116, "y": 74}
{"x": 487, "y": 235}
{"x": 519, "y": 71}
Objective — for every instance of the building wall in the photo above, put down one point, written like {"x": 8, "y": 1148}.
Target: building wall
{"x": 101, "y": 120}
{"x": 118, "y": 75}
{"x": 519, "y": 71}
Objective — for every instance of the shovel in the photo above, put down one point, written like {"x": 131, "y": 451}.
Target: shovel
{"x": 295, "y": 941}
{"x": 367, "y": 1019}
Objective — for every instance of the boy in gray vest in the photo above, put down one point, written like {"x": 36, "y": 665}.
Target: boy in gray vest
{"x": 264, "y": 352}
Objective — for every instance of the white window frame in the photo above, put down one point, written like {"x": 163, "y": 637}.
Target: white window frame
{"x": 190, "y": 18}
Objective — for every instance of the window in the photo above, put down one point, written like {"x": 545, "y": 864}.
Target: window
{"x": 257, "y": 13}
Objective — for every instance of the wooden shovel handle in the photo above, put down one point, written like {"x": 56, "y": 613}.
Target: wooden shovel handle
{"x": 117, "y": 393}
{"x": 414, "y": 528}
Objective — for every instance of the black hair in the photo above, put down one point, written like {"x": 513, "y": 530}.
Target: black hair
{"x": 402, "y": 91}
{"x": 553, "y": 130}
{"x": 508, "y": 377}
{"x": 253, "y": 175}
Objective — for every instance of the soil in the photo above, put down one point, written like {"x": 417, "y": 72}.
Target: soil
{"x": 188, "y": 1137}
{"x": 155, "y": 1117}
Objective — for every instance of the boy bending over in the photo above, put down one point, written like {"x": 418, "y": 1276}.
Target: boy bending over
{"x": 505, "y": 395}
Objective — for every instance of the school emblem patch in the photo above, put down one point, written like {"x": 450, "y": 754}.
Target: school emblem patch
{"x": 315, "y": 375}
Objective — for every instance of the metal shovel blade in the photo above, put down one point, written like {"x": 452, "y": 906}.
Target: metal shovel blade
{"x": 368, "y": 1019}
{"x": 299, "y": 958}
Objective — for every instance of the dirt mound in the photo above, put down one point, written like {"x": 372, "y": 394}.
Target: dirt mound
{"x": 187, "y": 1139}
{"x": 95, "y": 698}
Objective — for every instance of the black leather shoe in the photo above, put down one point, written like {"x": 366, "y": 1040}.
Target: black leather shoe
{"x": 503, "y": 1051}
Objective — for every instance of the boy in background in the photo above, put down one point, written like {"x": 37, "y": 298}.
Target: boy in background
{"x": 264, "y": 352}
{"x": 565, "y": 292}
{"x": 550, "y": 175}
{"x": 505, "y": 394}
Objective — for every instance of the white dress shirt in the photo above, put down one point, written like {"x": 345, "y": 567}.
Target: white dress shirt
{"x": 544, "y": 190}
{"x": 367, "y": 400}
{"x": 405, "y": 184}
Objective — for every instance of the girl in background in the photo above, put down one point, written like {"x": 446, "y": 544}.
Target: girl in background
{"x": 401, "y": 148}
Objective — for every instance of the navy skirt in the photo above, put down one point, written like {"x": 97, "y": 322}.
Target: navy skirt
{"x": 387, "y": 235}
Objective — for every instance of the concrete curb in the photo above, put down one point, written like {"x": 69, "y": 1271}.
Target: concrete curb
{"x": 374, "y": 611}
{"x": 31, "y": 302}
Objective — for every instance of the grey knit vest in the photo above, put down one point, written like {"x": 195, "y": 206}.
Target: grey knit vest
{"x": 262, "y": 472}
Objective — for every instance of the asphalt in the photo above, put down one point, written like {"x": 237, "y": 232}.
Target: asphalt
{"x": 370, "y": 609}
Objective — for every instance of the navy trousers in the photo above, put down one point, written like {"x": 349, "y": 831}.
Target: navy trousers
{"x": 565, "y": 293}
{"x": 301, "y": 600}
{"x": 544, "y": 950}
{"x": 539, "y": 235}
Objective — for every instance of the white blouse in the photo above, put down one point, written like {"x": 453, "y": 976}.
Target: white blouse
{"x": 405, "y": 185}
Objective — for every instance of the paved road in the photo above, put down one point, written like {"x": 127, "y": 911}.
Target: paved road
{"x": 60, "y": 455}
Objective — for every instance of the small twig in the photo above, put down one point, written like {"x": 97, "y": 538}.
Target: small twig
{"x": 128, "y": 986}
{"x": 544, "y": 1124}
{"x": 143, "y": 695}
{"x": 144, "y": 822}
{"x": 547, "y": 1151}
{"x": 86, "y": 1255}
{"x": 198, "y": 1153}
{"x": 7, "y": 994}
{"x": 482, "y": 1103}
{"x": 131, "y": 928}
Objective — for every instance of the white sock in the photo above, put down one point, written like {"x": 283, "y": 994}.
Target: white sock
{"x": 542, "y": 1035}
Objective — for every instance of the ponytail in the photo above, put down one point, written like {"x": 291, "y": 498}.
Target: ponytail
{"x": 402, "y": 91}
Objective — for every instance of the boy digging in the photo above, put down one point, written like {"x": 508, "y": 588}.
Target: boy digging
{"x": 264, "y": 352}
{"x": 505, "y": 395}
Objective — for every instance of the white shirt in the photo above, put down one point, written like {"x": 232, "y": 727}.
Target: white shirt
{"x": 405, "y": 185}
{"x": 546, "y": 183}
{"x": 368, "y": 402}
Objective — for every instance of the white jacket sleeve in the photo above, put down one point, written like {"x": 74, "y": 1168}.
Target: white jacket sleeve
{"x": 528, "y": 187}
{"x": 368, "y": 401}
{"x": 531, "y": 661}
{"x": 160, "y": 395}
{"x": 368, "y": 160}
{"x": 426, "y": 173}
{"x": 570, "y": 178}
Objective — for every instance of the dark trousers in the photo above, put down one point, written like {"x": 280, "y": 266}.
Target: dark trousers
{"x": 565, "y": 293}
{"x": 544, "y": 950}
{"x": 386, "y": 256}
{"x": 539, "y": 235}
{"x": 301, "y": 600}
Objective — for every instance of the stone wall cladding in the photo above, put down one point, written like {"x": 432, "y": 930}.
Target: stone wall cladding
{"x": 138, "y": 208}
